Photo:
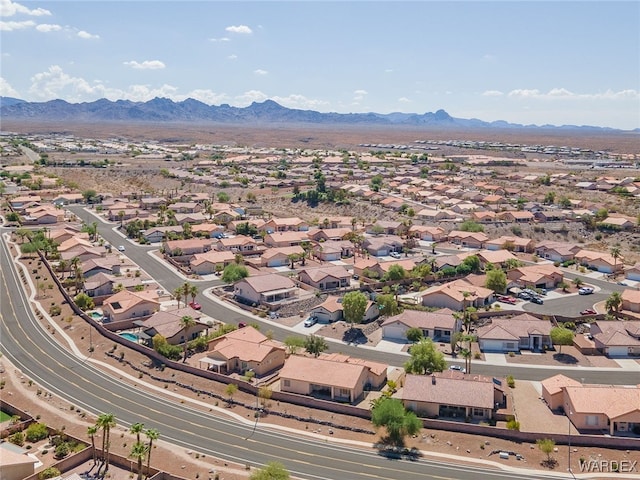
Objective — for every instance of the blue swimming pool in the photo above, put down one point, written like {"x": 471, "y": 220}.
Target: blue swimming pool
{"x": 96, "y": 315}
{"x": 129, "y": 336}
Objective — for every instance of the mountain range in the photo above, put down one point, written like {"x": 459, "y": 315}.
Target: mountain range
{"x": 267, "y": 112}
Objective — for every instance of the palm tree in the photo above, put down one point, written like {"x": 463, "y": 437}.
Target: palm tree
{"x": 121, "y": 217}
{"x": 91, "y": 431}
{"x": 137, "y": 428}
{"x": 152, "y": 434}
{"x": 613, "y": 303}
{"x": 62, "y": 266}
{"x": 186, "y": 323}
{"x": 139, "y": 452}
{"x": 177, "y": 294}
{"x": 193, "y": 291}
{"x": 615, "y": 253}
{"x": 186, "y": 289}
{"x": 106, "y": 421}
{"x": 466, "y": 317}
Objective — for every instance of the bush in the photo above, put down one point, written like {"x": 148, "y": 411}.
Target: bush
{"x": 513, "y": 425}
{"x": 62, "y": 450}
{"x": 55, "y": 310}
{"x": 511, "y": 381}
{"x": 36, "y": 432}
{"x": 50, "y": 472}
{"x": 17, "y": 439}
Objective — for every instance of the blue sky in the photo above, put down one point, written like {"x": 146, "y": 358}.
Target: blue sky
{"x": 563, "y": 62}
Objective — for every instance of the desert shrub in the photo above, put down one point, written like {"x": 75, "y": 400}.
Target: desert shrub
{"x": 17, "y": 439}
{"x": 62, "y": 450}
{"x": 50, "y": 472}
{"x": 513, "y": 425}
{"x": 36, "y": 432}
{"x": 511, "y": 381}
{"x": 55, "y": 310}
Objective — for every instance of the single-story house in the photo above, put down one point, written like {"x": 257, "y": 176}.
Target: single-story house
{"x": 616, "y": 338}
{"x": 243, "y": 350}
{"x": 191, "y": 246}
{"x": 498, "y": 258}
{"x": 426, "y": 233}
{"x": 326, "y": 378}
{"x": 523, "y": 331}
{"x": 557, "y": 251}
{"x": 457, "y": 295}
{"x": 167, "y": 324}
{"x": 536, "y": 276}
{"x": 241, "y": 243}
{"x": 631, "y": 300}
{"x": 285, "y": 224}
{"x": 210, "y": 262}
{"x": 468, "y": 239}
{"x": 331, "y": 311}
{"x": 515, "y": 244}
{"x": 159, "y": 234}
{"x": 602, "y": 262}
{"x": 126, "y": 305}
{"x": 267, "y": 289}
{"x": 454, "y": 395}
{"x": 326, "y": 278}
{"x": 325, "y": 234}
{"x": 16, "y": 465}
{"x": 281, "y": 256}
{"x": 553, "y": 392}
{"x": 286, "y": 238}
{"x": 438, "y": 325}
{"x": 633, "y": 273}
{"x": 382, "y": 246}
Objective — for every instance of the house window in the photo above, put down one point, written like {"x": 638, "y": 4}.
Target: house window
{"x": 478, "y": 412}
{"x": 591, "y": 420}
{"x": 286, "y": 383}
{"x": 344, "y": 392}
{"x": 510, "y": 346}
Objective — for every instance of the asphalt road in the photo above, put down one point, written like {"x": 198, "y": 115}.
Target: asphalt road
{"x": 53, "y": 367}
{"x": 171, "y": 280}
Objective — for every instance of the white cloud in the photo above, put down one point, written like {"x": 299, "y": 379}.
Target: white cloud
{"x": 358, "y": 95}
{"x": 11, "y": 26}
{"x": 564, "y": 94}
{"x": 404, "y": 100}
{"x": 492, "y": 93}
{"x": 251, "y": 96}
{"x": 223, "y": 39}
{"x": 388, "y": 70}
{"x": 489, "y": 57}
{"x": 360, "y": 92}
{"x": 233, "y": 56}
{"x": 261, "y": 72}
{"x": 87, "y": 35}
{"x": 239, "y": 29}
{"x": 48, "y": 27}
{"x": 299, "y": 101}
{"x": 207, "y": 96}
{"x": 146, "y": 65}
{"x": 9, "y": 9}
{"x": 6, "y": 90}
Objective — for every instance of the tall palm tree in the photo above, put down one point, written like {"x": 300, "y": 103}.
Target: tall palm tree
{"x": 177, "y": 294}
{"x": 106, "y": 421}
{"x": 121, "y": 217}
{"x": 186, "y": 288}
{"x": 615, "y": 253}
{"x": 613, "y": 303}
{"x": 193, "y": 291}
{"x": 62, "y": 266}
{"x": 137, "y": 428}
{"x": 152, "y": 434}
{"x": 186, "y": 323}
{"x": 92, "y": 431}
{"x": 139, "y": 452}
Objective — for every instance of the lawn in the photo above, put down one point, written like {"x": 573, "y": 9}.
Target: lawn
{"x": 4, "y": 416}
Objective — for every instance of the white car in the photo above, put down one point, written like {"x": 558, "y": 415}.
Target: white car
{"x": 121, "y": 248}
{"x": 395, "y": 255}
{"x": 458, "y": 368}
{"x": 310, "y": 322}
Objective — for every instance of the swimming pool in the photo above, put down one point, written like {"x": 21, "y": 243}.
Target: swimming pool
{"x": 129, "y": 336}
{"x": 96, "y": 315}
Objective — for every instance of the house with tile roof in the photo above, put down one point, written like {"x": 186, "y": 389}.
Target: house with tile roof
{"x": 327, "y": 277}
{"x": 454, "y": 395}
{"x": 515, "y": 244}
{"x": 552, "y": 390}
{"x": 126, "y": 305}
{"x": 536, "y": 276}
{"x": 280, "y": 256}
{"x": 167, "y": 324}
{"x": 522, "y": 332}
{"x": 287, "y": 238}
{"x": 242, "y": 350}
{"x": 427, "y": 233}
{"x": 15, "y": 463}
{"x": 457, "y": 295}
{"x": 557, "y": 251}
{"x": 616, "y": 338}
{"x": 325, "y": 378}
{"x": 269, "y": 289}
{"x": 468, "y": 239}
{"x": 631, "y": 300}
{"x": 331, "y": 310}
{"x": 602, "y": 262}
{"x": 438, "y": 325}
{"x": 609, "y": 409}
{"x": 210, "y": 262}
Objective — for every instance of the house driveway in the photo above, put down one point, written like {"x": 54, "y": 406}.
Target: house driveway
{"x": 533, "y": 413}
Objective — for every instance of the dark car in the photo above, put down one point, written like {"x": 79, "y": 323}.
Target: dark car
{"x": 537, "y": 300}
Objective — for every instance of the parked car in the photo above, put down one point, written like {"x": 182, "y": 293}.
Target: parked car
{"x": 524, "y": 296}
{"x": 310, "y": 322}
{"x": 537, "y": 300}
{"x": 588, "y": 311}
{"x": 458, "y": 368}
{"x": 395, "y": 255}
{"x": 242, "y": 324}
{"x": 195, "y": 305}
{"x": 623, "y": 284}
{"x": 507, "y": 299}
{"x": 585, "y": 291}
{"x": 121, "y": 248}
{"x": 356, "y": 276}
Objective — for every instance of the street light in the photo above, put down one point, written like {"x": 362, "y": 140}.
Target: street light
{"x": 569, "y": 421}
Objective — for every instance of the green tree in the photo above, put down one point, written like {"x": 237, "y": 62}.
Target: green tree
{"x": 615, "y": 253}
{"x": 425, "y": 358}
{"x": 106, "y": 421}
{"x": 231, "y": 390}
{"x": 186, "y": 323}
{"x": 83, "y": 301}
{"x": 137, "y": 428}
{"x": 613, "y": 304}
{"x": 151, "y": 434}
{"x": 223, "y": 197}
{"x": 354, "y": 305}
{"x": 395, "y": 273}
{"x": 234, "y": 272}
{"x": 414, "y": 334}
{"x": 271, "y": 471}
{"x": 89, "y": 195}
{"x": 561, "y": 336}
{"x": 315, "y": 345}
{"x": 398, "y": 422}
{"x": 387, "y": 304}
{"x": 91, "y": 432}
{"x": 139, "y": 452}
{"x": 496, "y": 281}
{"x": 294, "y": 343}
{"x": 546, "y": 446}
{"x": 471, "y": 226}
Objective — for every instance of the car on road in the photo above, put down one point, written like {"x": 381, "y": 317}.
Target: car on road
{"x": 242, "y": 324}
{"x": 623, "y": 284}
{"x": 395, "y": 255}
{"x": 585, "y": 291}
{"x": 537, "y": 300}
{"x": 507, "y": 299}
{"x": 121, "y": 248}
{"x": 588, "y": 311}
{"x": 311, "y": 321}
{"x": 524, "y": 296}
{"x": 195, "y": 305}
{"x": 458, "y": 368}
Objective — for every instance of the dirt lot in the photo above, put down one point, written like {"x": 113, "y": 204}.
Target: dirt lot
{"x": 55, "y": 412}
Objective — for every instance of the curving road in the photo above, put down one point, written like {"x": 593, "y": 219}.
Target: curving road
{"x": 170, "y": 280}
{"x": 53, "y": 367}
